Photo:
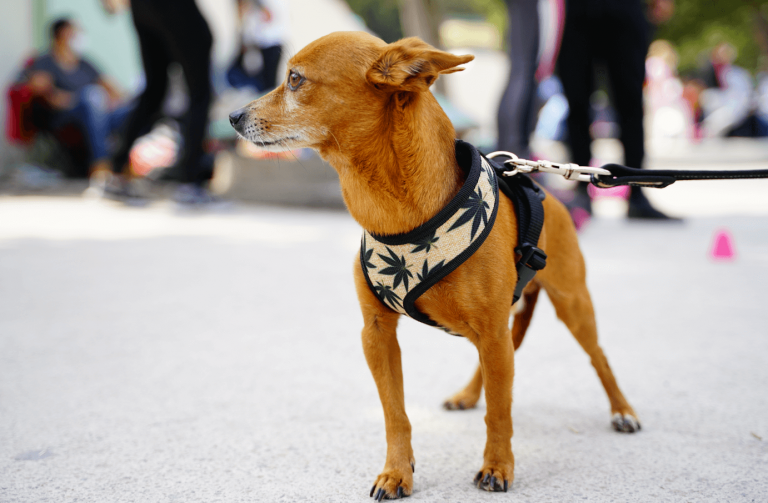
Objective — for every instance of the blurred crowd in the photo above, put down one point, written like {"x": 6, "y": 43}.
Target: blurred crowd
{"x": 581, "y": 70}
{"x": 74, "y": 120}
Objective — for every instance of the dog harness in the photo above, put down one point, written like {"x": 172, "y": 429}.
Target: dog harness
{"x": 399, "y": 268}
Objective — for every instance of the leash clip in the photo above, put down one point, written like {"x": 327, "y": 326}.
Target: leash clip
{"x": 569, "y": 171}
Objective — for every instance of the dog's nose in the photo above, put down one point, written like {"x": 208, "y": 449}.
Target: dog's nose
{"x": 236, "y": 117}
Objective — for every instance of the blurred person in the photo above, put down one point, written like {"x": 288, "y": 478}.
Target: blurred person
{"x": 263, "y": 32}
{"x": 77, "y": 93}
{"x": 728, "y": 104}
{"x": 616, "y": 34}
{"x": 532, "y": 45}
{"x": 553, "y": 115}
{"x": 670, "y": 109}
{"x": 515, "y": 118}
{"x": 171, "y": 31}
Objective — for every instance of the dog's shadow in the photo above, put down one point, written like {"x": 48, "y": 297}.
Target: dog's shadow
{"x": 551, "y": 443}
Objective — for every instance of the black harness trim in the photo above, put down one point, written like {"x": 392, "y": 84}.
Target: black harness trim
{"x": 526, "y": 197}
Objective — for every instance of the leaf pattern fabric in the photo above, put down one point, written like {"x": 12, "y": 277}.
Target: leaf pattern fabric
{"x": 393, "y": 271}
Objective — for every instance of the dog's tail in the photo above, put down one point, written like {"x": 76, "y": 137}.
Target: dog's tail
{"x": 523, "y": 316}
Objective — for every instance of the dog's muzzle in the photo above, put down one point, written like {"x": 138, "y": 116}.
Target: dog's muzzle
{"x": 237, "y": 119}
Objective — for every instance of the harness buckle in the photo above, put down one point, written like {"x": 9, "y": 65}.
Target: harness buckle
{"x": 531, "y": 256}
{"x": 531, "y": 261}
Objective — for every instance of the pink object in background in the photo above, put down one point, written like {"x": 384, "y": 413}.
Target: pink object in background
{"x": 722, "y": 248}
{"x": 622, "y": 192}
{"x": 581, "y": 217}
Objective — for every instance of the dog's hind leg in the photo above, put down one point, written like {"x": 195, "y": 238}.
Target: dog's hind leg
{"x": 574, "y": 307}
{"x": 565, "y": 281}
{"x": 523, "y": 317}
{"x": 467, "y": 398}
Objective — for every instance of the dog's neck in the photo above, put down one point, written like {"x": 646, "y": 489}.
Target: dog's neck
{"x": 399, "y": 174}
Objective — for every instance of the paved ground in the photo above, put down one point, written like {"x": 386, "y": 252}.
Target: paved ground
{"x": 153, "y": 355}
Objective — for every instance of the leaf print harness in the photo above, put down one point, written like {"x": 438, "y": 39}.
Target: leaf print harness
{"x": 400, "y": 268}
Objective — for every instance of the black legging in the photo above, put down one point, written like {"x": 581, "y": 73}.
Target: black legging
{"x": 615, "y": 33}
{"x": 515, "y": 116}
{"x": 168, "y": 31}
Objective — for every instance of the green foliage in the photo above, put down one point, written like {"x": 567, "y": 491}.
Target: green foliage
{"x": 381, "y": 16}
{"x": 493, "y": 11}
{"x": 698, "y": 25}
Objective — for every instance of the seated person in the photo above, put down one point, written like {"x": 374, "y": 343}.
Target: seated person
{"x": 264, "y": 28}
{"x": 77, "y": 93}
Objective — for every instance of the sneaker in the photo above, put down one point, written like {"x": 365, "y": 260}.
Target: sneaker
{"x": 640, "y": 208}
{"x": 580, "y": 206}
{"x": 115, "y": 188}
{"x": 648, "y": 212}
{"x": 191, "y": 194}
{"x": 97, "y": 185}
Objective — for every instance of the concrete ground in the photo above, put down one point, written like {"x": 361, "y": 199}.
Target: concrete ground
{"x": 157, "y": 355}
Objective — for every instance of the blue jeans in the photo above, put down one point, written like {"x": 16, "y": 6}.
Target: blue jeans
{"x": 91, "y": 114}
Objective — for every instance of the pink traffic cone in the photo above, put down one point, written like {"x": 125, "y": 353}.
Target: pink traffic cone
{"x": 722, "y": 248}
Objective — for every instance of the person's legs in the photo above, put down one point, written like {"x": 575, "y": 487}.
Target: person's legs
{"x": 515, "y": 115}
{"x": 117, "y": 118}
{"x": 155, "y": 60}
{"x": 625, "y": 62}
{"x": 576, "y": 69}
{"x": 268, "y": 74}
{"x": 237, "y": 78}
{"x": 190, "y": 42}
{"x": 627, "y": 30}
{"x": 91, "y": 116}
{"x": 575, "y": 65}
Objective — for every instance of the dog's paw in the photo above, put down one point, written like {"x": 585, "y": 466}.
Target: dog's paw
{"x": 625, "y": 423}
{"x": 494, "y": 479}
{"x": 461, "y": 401}
{"x": 392, "y": 484}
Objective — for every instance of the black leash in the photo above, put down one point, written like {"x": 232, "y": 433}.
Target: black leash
{"x": 527, "y": 196}
{"x": 613, "y": 175}
{"x": 660, "y": 178}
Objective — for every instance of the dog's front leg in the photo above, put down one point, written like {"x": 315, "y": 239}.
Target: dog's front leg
{"x": 382, "y": 352}
{"x": 497, "y": 360}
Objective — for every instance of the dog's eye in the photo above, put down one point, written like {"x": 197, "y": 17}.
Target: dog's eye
{"x": 294, "y": 80}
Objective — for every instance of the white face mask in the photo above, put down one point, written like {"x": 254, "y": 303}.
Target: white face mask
{"x": 78, "y": 42}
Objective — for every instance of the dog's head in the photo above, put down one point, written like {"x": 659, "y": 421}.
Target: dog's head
{"x": 341, "y": 87}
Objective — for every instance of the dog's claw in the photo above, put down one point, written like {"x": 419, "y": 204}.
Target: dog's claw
{"x": 449, "y": 405}
{"x": 372, "y": 489}
{"x": 625, "y": 423}
{"x": 491, "y": 482}
{"x": 379, "y": 495}
{"x": 413, "y": 467}
{"x": 399, "y": 492}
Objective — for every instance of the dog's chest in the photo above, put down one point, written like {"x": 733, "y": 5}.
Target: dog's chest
{"x": 400, "y": 268}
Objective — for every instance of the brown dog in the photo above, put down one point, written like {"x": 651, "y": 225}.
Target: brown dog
{"x": 365, "y": 106}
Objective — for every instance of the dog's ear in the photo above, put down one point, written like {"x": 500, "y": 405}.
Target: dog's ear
{"x": 412, "y": 65}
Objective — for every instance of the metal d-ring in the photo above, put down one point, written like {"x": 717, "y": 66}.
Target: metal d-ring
{"x": 512, "y": 160}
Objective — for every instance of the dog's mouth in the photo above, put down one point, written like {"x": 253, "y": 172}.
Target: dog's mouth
{"x": 279, "y": 143}
{"x": 268, "y": 143}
